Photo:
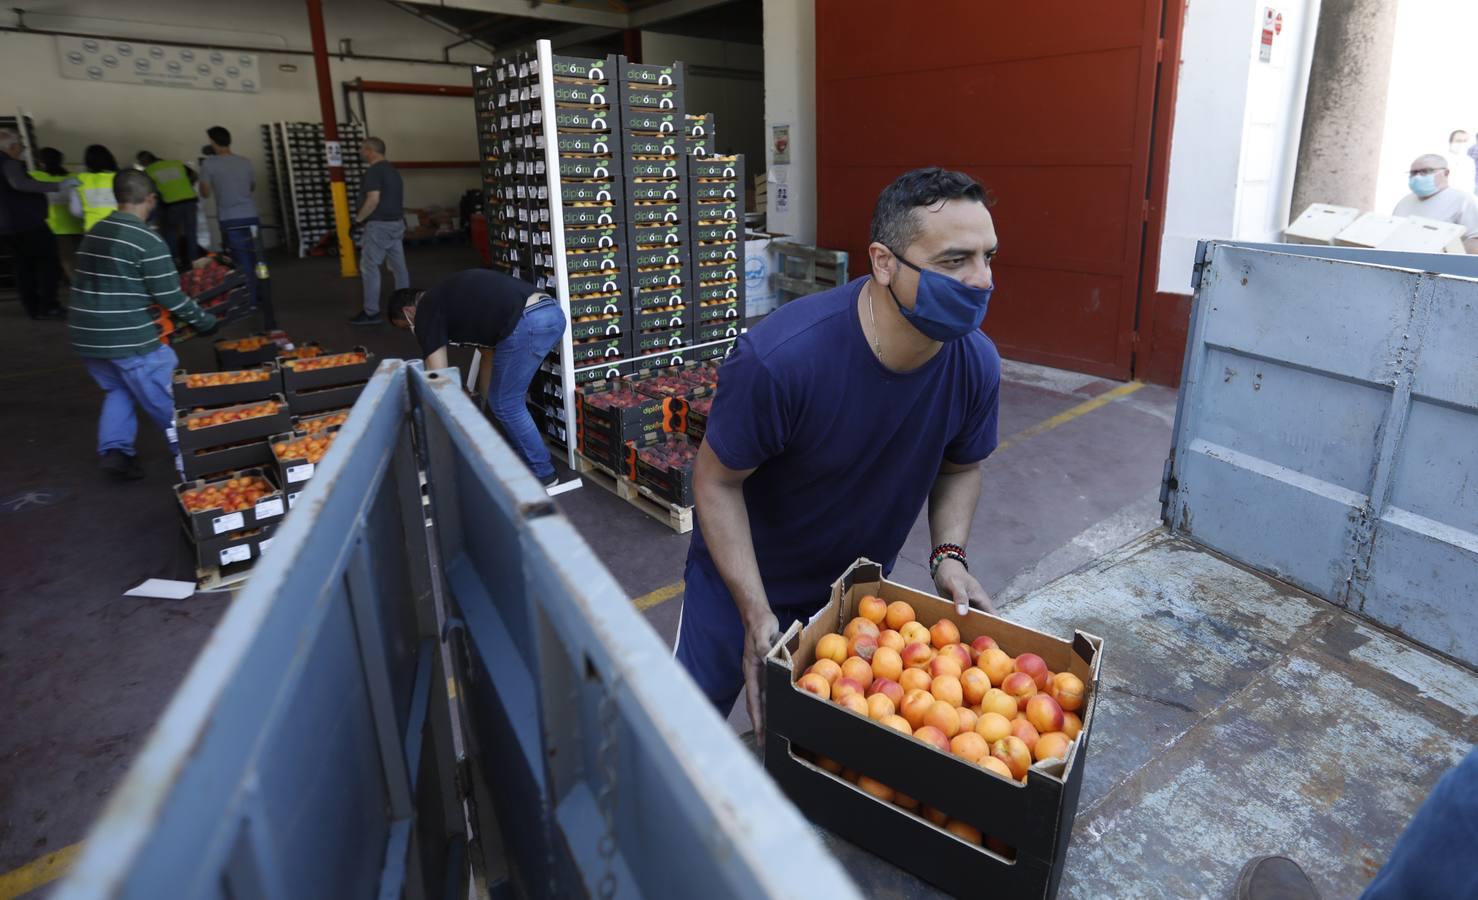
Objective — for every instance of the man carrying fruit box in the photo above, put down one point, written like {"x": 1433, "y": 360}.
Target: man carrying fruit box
{"x": 124, "y": 268}
{"x": 835, "y": 418}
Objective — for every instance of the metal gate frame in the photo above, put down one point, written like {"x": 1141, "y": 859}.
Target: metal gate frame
{"x": 312, "y": 751}
{"x": 1327, "y": 429}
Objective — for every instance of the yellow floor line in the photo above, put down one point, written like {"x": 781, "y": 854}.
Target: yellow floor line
{"x": 659, "y": 596}
{"x": 1068, "y": 415}
{"x": 38, "y": 872}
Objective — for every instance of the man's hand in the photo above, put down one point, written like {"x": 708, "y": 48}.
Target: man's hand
{"x": 759, "y": 636}
{"x": 955, "y": 582}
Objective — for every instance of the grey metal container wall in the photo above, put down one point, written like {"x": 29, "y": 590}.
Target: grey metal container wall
{"x": 1335, "y": 445}
{"x": 310, "y": 751}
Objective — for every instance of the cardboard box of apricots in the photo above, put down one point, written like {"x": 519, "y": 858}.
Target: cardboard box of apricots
{"x": 958, "y": 812}
{"x": 327, "y": 369}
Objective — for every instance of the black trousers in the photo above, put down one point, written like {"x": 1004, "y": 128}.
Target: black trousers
{"x": 177, "y": 225}
{"x": 36, "y": 268}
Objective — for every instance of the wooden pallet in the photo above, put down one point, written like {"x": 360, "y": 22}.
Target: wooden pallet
{"x": 678, "y": 518}
{"x": 223, "y": 578}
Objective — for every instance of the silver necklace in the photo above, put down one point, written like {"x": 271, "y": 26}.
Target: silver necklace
{"x": 877, "y": 346}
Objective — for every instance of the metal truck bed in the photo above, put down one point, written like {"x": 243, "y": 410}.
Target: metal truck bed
{"x": 1326, "y": 439}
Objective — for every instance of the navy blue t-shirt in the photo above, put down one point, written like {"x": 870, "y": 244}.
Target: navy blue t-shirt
{"x": 844, "y": 450}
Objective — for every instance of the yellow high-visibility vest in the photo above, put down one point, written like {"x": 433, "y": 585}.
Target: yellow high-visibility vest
{"x": 58, "y": 217}
{"x": 98, "y": 201}
{"x": 171, "y": 180}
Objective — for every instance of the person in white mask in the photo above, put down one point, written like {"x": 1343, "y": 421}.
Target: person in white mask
{"x": 1461, "y": 152}
{"x": 1432, "y": 198}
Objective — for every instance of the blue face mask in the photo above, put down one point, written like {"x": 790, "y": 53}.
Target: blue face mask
{"x": 944, "y": 309}
{"x": 1423, "y": 185}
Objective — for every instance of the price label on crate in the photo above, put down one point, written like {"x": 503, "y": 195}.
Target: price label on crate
{"x": 266, "y": 509}
{"x": 292, "y": 499}
{"x": 239, "y": 553}
{"x": 265, "y": 542}
{"x": 299, "y": 473}
{"x": 229, "y": 522}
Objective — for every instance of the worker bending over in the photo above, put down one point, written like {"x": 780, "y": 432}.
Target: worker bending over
{"x": 517, "y": 320}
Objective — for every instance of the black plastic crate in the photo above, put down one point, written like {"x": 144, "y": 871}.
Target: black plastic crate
{"x": 656, "y": 191}
{"x": 584, "y": 119}
{"x": 653, "y": 213}
{"x": 224, "y": 394}
{"x": 667, "y": 168}
{"x": 714, "y": 351}
{"x": 593, "y": 237}
{"x": 603, "y": 326}
{"x": 717, "y": 330}
{"x": 599, "y": 167}
{"x": 297, "y": 381}
{"x": 661, "y": 317}
{"x": 717, "y": 231}
{"x": 210, "y": 461}
{"x": 592, "y": 351}
{"x": 209, "y": 523}
{"x": 664, "y": 276}
{"x": 718, "y": 290}
{"x": 663, "y": 295}
{"x": 667, "y": 255}
{"x": 725, "y": 270}
{"x": 304, "y": 402}
{"x": 637, "y": 73}
{"x": 597, "y": 283}
{"x": 231, "y": 432}
{"x": 723, "y": 309}
{"x": 583, "y": 93}
{"x": 716, "y": 252}
{"x": 584, "y": 262}
{"x": 655, "y": 97}
{"x": 583, "y": 68}
{"x": 710, "y": 191}
{"x": 652, "y": 121}
{"x": 717, "y": 211}
{"x": 669, "y": 481}
{"x": 730, "y": 167}
{"x": 596, "y": 305}
{"x": 657, "y": 234}
{"x": 586, "y": 213}
{"x": 665, "y": 145}
{"x": 595, "y": 143}
{"x": 664, "y": 339}
{"x": 231, "y": 548}
{"x": 606, "y": 191}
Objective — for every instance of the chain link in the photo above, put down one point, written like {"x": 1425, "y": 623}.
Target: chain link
{"x": 606, "y": 714}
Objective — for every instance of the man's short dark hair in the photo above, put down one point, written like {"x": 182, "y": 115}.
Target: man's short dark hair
{"x": 376, "y": 145}
{"x": 894, "y": 222}
{"x": 146, "y": 158}
{"x": 219, "y": 136}
{"x": 402, "y": 300}
{"x": 1452, "y": 137}
{"x": 132, "y": 186}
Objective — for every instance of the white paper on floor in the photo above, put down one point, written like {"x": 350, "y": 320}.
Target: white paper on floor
{"x": 162, "y": 589}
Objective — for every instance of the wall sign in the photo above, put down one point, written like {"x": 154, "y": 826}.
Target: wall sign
{"x": 138, "y": 62}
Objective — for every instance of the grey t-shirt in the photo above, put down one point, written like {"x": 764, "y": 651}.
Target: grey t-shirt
{"x": 231, "y": 182}
{"x": 385, "y": 178}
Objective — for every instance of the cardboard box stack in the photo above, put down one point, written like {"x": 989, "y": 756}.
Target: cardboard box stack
{"x": 229, "y": 519}
{"x": 897, "y": 771}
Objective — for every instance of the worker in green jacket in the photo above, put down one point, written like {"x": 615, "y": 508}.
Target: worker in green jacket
{"x": 66, "y": 227}
{"x": 91, "y": 197}
{"x": 179, "y": 204}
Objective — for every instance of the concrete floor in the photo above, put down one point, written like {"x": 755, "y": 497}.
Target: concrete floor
{"x": 86, "y": 671}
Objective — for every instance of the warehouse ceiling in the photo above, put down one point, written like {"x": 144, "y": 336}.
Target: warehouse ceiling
{"x": 501, "y": 26}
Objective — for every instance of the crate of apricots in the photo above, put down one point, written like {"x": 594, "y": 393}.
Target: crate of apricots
{"x": 252, "y": 350}
{"x": 242, "y": 500}
{"x": 298, "y": 454}
{"x": 213, "y": 427}
{"x": 221, "y": 388}
{"x": 327, "y": 369}
{"x": 320, "y": 422}
{"x": 951, "y": 746}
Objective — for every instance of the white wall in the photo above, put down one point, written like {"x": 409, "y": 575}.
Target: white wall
{"x": 1431, "y": 90}
{"x": 790, "y": 99}
{"x": 70, "y": 114}
{"x": 737, "y": 101}
{"x": 1234, "y": 144}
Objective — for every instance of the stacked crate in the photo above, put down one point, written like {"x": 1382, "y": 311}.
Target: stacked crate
{"x": 300, "y": 177}
{"x": 224, "y": 418}
{"x": 717, "y": 217}
{"x": 229, "y": 519}
{"x": 652, "y": 122}
{"x": 297, "y": 452}
{"x": 698, "y": 137}
{"x": 316, "y": 382}
{"x": 495, "y": 146}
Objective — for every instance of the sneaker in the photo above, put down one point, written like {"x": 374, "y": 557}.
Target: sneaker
{"x": 554, "y": 487}
{"x": 364, "y": 318}
{"x": 1274, "y": 878}
{"x": 122, "y": 466}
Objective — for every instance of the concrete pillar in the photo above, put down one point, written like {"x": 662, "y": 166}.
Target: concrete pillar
{"x": 1345, "y": 113}
{"x": 790, "y": 100}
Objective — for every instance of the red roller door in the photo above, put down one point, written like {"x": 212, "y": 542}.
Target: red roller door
{"x": 1048, "y": 105}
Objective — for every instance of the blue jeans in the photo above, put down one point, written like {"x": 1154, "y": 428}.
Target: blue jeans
{"x": 515, "y": 360}
{"x": 382, "y": 243}
{"x": 134, "y": 380}
{"x": 1433, "y": 857}
{"x": 240, "y": 245}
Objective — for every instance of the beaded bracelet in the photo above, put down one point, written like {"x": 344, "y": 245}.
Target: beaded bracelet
{"x": 947, "y": 551}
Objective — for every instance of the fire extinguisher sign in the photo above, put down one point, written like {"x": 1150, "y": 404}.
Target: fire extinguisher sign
{"x": 1272, "y": 26}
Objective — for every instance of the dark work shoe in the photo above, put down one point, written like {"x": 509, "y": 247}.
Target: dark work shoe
{"x": 1274, "y": 878}
{"x": 364, "y": 318}
{"x": 122, "y": 466}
